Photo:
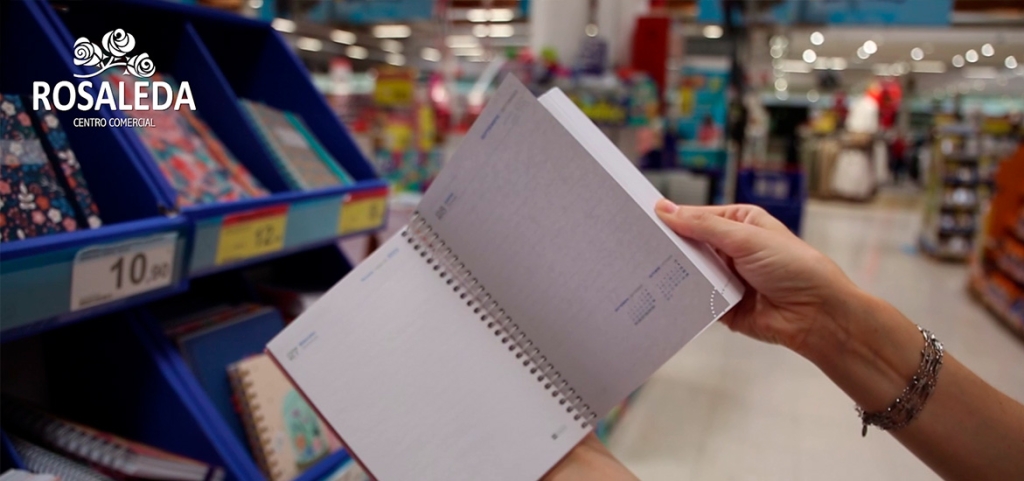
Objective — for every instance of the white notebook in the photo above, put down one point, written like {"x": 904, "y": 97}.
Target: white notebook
{"x": 534, "y": 289}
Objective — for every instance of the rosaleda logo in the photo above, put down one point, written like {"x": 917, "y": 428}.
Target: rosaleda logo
{"x": 113, "y": 54}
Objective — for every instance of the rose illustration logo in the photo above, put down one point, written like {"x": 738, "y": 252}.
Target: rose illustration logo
{"x": 117, "y": 44}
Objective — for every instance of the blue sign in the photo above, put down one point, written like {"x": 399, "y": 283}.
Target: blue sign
{"x": 844, "y": 12}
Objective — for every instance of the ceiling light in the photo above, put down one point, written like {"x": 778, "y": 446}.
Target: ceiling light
{"x": 342, "y": 36}
{"x": 713, "y": 31}
{"x": 986, "y": 73}
{"x": 391, "y": 46}
{"x": 357, "y": 52}
{"x": 839, "y": 63}
{"x": 870, "y": 47}
{"x": 928, "y": 66}
{"x": 255, "y": 4}
{"x": 781, "y": 84}
{"x": 395, "y": 59}
{"x": 971, "y": 55}
{"x": 782, "y": 95}
{"x": 812, "y": 95}
{"x": 958, "y": 60}
{"x": 779, "y": 41}
{"x": 809, "y": 56}
{"x": 283, "y": 25}
{"x": 817, "y": 38}
{"x": 468, "y": 52}
{"x": 590, "y": 30}
{"x": 431, "y": 54}
{"x": 1011, "y": 62}
{"x": 502, "y": 14}
{"x": 916, "y": 53}
{"x": 477, "y": 15}
{"x": 502, "y": 31}
{"x": 392, "y": 31}
{"x": 987, "y": 50}
{"x": 461, "y": 41}
{"x": 862, "y": 54}
{"x": 794, "y": 66}
{"x": 776, "y": 51}
{"x": 481, "y": 31}
{"x": 309, "y": 44}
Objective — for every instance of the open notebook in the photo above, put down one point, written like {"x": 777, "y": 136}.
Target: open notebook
{"x": 534, "y": 289}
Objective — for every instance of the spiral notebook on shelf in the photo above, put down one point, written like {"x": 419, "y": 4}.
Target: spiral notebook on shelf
{"x": 285, "y": 433}
{"x": 534, "y": 289}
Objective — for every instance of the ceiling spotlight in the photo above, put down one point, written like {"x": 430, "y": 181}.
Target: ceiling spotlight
{"x": 812, "y": 95}
{"x": 971, "y": 55}
{"x": 478, "y": 15}
{"x": 862, "y": 54}
{"x": 958, "y": 60}
{"x": 817, "y": 38}
{"x": 713, "y": 31}
{"x": 357, "y": 52}
{"x": 781, "y": 84}
{"x": 502, "y": 14}
{"x": 395, "y": 59}
{"x": 283, "y": 25}
{"x": 1011, "y": 62}
{"x": 590, "y": 30}
{"x": 987, "y": 50}
{"x": 392, "y": 31}
{"x": 391, "y": 46}
{"x": 779, "y": 41}
{"x": 870, "y": 47}
{"x": 255, "y": 4}
{"x": 461, "y": 41}
{"x": 309, "y": 44}
{"x": 782, "y": 95}
{"x": 343, "y": 36}
{"x": 776, "y": 51}
{"x": 502, "y": 30}
{"x": 809, "y": 56}
{"x": 481, "y": 30}
{"x": 916, "y": 53}
{"x": 431, "y": 54}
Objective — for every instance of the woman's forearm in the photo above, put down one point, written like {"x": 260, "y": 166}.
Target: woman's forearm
{"x": 966, "y": 430}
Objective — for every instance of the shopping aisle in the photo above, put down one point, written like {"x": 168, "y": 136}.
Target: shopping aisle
{"x": 729, "y": 408}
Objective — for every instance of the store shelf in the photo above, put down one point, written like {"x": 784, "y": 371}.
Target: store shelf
{"x": 37, "y": 275}
{"x": 1001, "y": 309}
{"x": 932, "y": 249}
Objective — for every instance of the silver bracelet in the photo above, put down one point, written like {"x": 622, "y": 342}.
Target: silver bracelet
{"x": 909, "y": 404}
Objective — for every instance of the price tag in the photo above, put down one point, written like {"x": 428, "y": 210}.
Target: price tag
{"x": 251, "y": 234}
{"x": 101, "y": 274}
{"x": 362, "y": 211}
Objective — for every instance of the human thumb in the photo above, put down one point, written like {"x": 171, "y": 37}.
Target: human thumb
{"x": 734, "y": 239}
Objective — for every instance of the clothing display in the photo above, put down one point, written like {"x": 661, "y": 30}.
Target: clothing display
{"x": 185, "y": 157}
{"x": 302, "y": 161}
{"x": 32, "y": 201}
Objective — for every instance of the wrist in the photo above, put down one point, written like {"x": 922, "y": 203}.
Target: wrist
{"x": 866, "y": 347}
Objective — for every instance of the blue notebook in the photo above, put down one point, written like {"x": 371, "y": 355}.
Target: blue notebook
{"x": 209, "y": 350}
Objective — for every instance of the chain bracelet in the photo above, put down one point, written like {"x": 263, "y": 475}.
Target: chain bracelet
{"x": 913, "y": 398}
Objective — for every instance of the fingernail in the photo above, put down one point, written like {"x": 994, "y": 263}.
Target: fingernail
{"x": 666, "y": 207}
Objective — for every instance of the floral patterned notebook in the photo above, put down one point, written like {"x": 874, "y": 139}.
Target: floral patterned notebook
{"x": 32, "y": 202}
{"x": 56, "y": 142}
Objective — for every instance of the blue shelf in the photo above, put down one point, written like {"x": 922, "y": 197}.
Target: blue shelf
{"x": 36, "y": 273}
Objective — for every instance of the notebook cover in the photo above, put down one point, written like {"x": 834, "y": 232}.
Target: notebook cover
{"x": 209, "y": 352}
{"x": 307, "y": 168}
{"x": 55, "y": 141}
{"x": 318, "y": 148}
{"x": 236, "y": 171}
{"x": 181, "y": 153}
{"x": 286, "y": 434}
{"x": 270, "y": 144}
{"x": 32, "y": 202}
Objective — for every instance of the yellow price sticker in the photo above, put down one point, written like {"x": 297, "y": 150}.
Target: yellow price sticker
{"x": 251, "y": 234}
{"x": 363, "y": 211}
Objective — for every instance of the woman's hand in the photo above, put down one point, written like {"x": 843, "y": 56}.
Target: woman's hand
{"x": 795, "y": 287}
{"x": 589, "y": 461}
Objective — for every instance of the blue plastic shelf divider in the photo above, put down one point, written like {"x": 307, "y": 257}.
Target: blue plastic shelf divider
{"x": 9, "y": 458}
{"x": 36, "y": 273}
{"x": 224, "y": 58}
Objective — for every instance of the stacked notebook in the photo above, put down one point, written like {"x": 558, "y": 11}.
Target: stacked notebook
{"x": 51, "y": 440}
{"x": 534, "y": 289}
{"x": 32, "y": 200}
{"x": 287, "y": 436}
{"x": 55, "y": 141}
{"x": 195, "y": 163}
{"x": 302, "y": 160}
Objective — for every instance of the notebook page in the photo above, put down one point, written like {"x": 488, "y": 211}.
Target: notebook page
{"x": 413, "y": 382}
{"x": 597, "y": 285}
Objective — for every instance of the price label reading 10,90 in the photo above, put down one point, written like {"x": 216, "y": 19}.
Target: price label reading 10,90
{"x": 101, "y": 274}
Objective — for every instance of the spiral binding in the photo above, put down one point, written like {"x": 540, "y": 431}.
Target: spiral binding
{"x": 257, "y": 432}
{"x": 430, "y": 246}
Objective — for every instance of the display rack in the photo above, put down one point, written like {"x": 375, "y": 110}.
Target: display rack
{"x": 997, "y": 273}
{"x": 119, "y": 371}
{"x": 959, "y": 184}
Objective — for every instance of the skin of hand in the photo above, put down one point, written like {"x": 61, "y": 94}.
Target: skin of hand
{"x": 589, "y": 461}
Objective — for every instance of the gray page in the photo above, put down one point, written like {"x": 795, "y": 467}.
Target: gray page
{"x": 582, "y": 269}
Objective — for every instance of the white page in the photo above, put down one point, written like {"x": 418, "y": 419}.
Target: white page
{"x": 597, "y": 284}
{"x": 415, "y": 384}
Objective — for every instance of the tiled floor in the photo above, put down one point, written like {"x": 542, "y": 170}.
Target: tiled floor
{"x": 728, "y": 408}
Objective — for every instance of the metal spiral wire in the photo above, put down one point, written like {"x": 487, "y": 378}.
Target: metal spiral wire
{"x": 436, "y": 252}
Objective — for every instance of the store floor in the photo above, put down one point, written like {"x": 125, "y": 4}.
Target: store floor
{"x": 729, "y": 408}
